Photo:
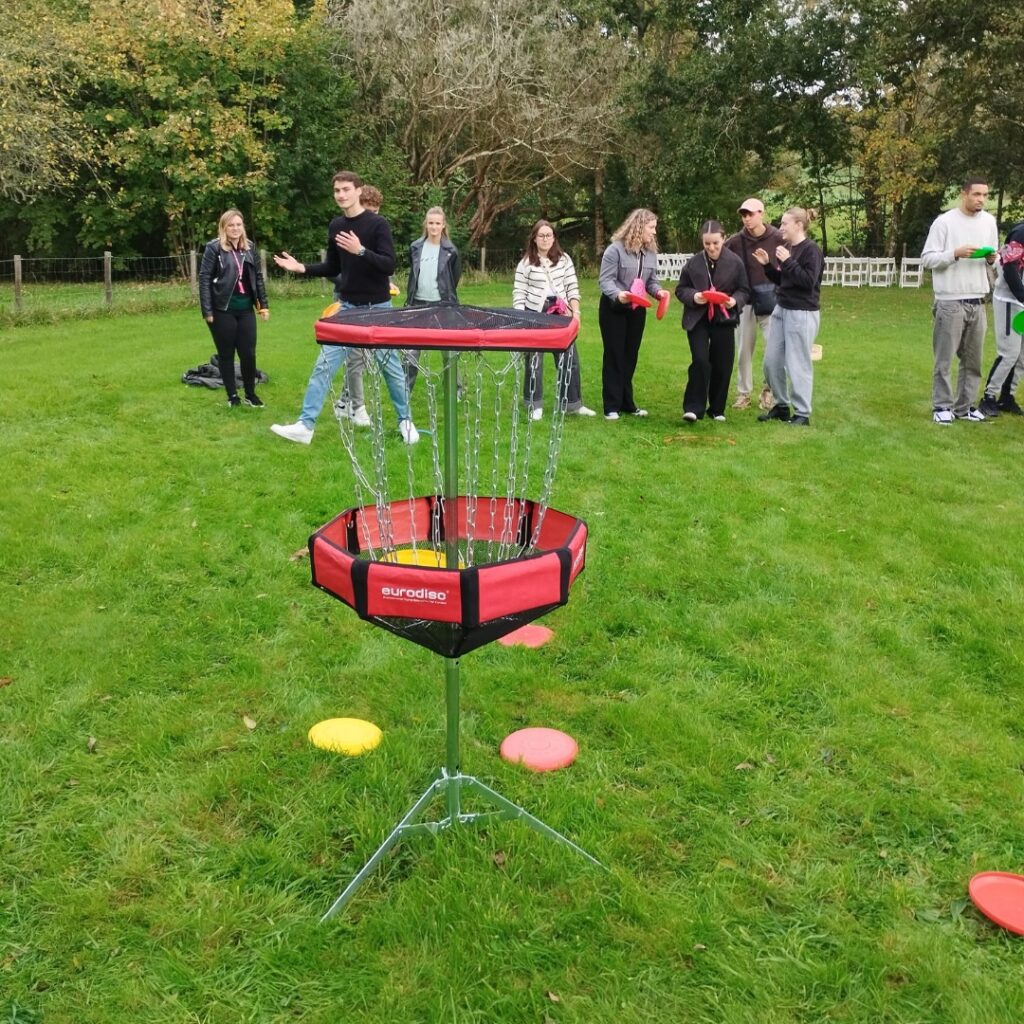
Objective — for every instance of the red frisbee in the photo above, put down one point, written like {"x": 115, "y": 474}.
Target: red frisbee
{"x": 1018, "y": 322}
{"x": 639, "y": 301}
{"x": 541, "y": 750}
{"x": 714, "y": 297}
{"x": 527, "y": 636}
{"x": 999, "y": 895}
{"x": 663, "y": 304}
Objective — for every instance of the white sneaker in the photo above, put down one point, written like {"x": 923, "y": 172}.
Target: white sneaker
{"x": 297, "y": 432}
{"x": 719, "y": 418}
{"x": 639, "y": 412}
{"x": 943, "y": 417}
{"x": 972, "y": 415}
{"x": 690, "y": 417}
{"x": 584, "y": 411}
{"x": 611, "y": 415}
{"x": 342, "y": 410}
{"x": 360, "y": 417}
{"x": 536, "y": 414}
{"x": 410, "y": 435}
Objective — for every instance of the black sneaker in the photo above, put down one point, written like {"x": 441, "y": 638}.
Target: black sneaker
{"x": 776, "y": 412}
{"x": 1010, "y": 405}
{"x": 234, "y": 401}
{"x": 799, "y": 421}
{"x": 254, "y": 400}
{"x": 989, "y": 407}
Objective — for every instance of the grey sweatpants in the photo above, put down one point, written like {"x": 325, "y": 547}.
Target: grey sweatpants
{"x": 1009, "y": 350}
{"x": 749, "y": 323}
{"x": 959, "y": 330}
{"x": 787, "y": 353}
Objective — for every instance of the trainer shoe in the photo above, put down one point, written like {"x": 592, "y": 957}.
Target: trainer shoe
{"x": 639, "y": 412}
{"x": 254, "y": 400}
{"x": 297, "y": 432}
{"x": 360, "y": 417}
{"x": 971, "y": 416}
{"x": 690, "y": 417}
{"x": 611, "y": 415}
{"x": 799, "y": 421}
{"x": 342, "y": 410}
{"x": 988, "y": 407}
{"x": 943, "y": 417}
{"x": 583, "y": 411}
{"x": 776, "y": 412}
{"x": 719, "y": 418}
{"x": 536, "y": 414}
{"x": 234, "y": 401}
{"x": 742, "y": 402}
{"x": 410, "y": 435}
{"x": 1010, "y": 405}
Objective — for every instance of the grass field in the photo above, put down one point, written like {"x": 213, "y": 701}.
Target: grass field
{"x": 793, "y": 666}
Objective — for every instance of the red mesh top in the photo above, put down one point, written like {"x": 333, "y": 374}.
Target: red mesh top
{"x": 448, "y": 326}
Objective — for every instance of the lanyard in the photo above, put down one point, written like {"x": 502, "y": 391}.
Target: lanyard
{"x": 239, "y": 263}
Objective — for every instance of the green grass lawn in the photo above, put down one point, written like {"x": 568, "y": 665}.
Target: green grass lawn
{"x": 793, "y": 666}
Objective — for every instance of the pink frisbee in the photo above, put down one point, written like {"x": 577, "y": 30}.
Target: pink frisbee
{"x": 540, "y": 750}
{"x": 527, "y": 636}
{"x": 999, "y": 895}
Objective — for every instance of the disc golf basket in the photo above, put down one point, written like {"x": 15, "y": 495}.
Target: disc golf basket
{"x": 474, "y": 559}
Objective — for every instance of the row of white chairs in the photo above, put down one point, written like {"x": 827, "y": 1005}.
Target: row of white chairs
{"x": 845, "y": 271}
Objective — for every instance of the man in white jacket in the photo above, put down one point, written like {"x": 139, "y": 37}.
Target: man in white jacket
{"x": 960, "y": 284}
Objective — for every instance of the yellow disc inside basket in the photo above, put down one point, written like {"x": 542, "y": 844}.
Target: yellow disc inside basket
{"x": 330, "y": 310}
{"x": 350, "y": 736}
{"x": 427, "y": 557}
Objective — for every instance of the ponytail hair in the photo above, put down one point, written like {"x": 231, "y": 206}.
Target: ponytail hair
{"x": 802, "y": 216}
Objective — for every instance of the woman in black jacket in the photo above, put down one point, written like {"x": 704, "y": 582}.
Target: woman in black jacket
{"x": 434, "y": 273}
{"x": 231, "y": 291}
{"x": 711, "y": 326}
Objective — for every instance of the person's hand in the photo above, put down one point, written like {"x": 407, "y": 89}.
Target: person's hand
{"x": 761, "y": 256}
{"x": 349, "y": 241}
{"x": 964, "y": 252}
{"x": 730, "y": 303}
{"x": 698, "y": 297}
{"x": 287, "y": 262}
{"x": 782, "y": 253}
{"x": 661, "y": 293}
{"x": 624, "y": 297}
{"x": 209, "y": 319}
{"x": 576, "y": 315}
{"x": 265, "y": 313}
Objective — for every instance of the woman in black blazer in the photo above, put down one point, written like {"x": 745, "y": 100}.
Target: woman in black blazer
{"x": 711, "y": 327}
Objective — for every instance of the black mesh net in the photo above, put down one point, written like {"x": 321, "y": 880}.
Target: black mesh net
{"x": 451, "y": 318}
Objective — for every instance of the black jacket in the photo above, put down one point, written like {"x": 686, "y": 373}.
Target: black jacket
{"x": 218, "y": 277}
{"x": 361, "y": 280}
{"x": 449, "y": 271}
{"x": 799, "y": 278}
{"x": 730, "y": 276}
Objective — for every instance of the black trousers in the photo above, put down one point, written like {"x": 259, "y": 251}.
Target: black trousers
{"x": 234, "y": 330}
{"x": 622, "y": 330}
{"x": 712, "y": 351}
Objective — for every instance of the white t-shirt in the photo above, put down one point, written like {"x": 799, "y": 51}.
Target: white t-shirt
{"x": 426, "y": 283}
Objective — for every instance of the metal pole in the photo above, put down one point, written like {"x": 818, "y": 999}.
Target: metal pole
{"x": 451, "y": 497}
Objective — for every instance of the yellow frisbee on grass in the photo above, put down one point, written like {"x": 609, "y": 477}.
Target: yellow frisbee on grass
{"x": 351, "y": 736}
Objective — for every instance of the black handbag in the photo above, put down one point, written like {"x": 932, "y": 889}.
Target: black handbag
{"x": 762, "y": 298}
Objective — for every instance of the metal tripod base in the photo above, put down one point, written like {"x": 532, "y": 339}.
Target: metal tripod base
{"x": 451, "y": 786}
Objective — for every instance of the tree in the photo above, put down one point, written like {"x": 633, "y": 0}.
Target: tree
{"x": 486, "y": 98}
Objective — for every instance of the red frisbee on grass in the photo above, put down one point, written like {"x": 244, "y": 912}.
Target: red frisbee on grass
{"x": 663, "y": 304}
{"x": 541, "y": 750}
{"x": 999, "y": 895}
{"x": 1018, "y": 322}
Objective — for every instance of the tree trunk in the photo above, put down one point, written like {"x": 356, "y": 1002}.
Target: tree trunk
{"x": 598, "y": 212}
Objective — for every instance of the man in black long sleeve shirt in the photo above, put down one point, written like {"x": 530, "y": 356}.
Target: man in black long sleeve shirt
{"x": 1007, "y": 302}
{"x": 361, "y": 257}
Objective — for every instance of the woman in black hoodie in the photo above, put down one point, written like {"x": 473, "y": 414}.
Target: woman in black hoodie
{"x": 711, "y": 326}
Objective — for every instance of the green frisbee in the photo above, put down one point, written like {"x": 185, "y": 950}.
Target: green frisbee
{"x": 1018, "y": 322}
{"x": 980, "y": 254}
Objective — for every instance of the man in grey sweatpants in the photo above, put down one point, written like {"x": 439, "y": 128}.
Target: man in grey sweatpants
{"x": 960, "y": 284}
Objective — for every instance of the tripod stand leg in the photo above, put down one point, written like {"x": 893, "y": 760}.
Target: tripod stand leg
{"x": 367, "y": 869}
{"x": 515, "y": 812}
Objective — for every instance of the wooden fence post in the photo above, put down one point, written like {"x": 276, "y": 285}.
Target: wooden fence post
{"x": 18, "y": 302}
{"x": 108, "y": 277}
{"x": 483, "y": 259}
{"x": 193, "y": 275}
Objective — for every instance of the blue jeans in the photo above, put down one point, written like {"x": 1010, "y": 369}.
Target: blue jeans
{"x": 332, "y": 358}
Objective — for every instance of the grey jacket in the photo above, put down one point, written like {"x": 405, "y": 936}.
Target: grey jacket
{"x": 620, "y": 268}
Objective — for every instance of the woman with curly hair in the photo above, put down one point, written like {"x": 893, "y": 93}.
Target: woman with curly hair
{"x": 632, "y": 257}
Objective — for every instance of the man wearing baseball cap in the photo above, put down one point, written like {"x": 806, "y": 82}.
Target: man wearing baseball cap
{"x": 754, "y": 234}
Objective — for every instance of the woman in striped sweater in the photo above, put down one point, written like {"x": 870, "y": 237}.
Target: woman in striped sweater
{"x": 544, "y": 275}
